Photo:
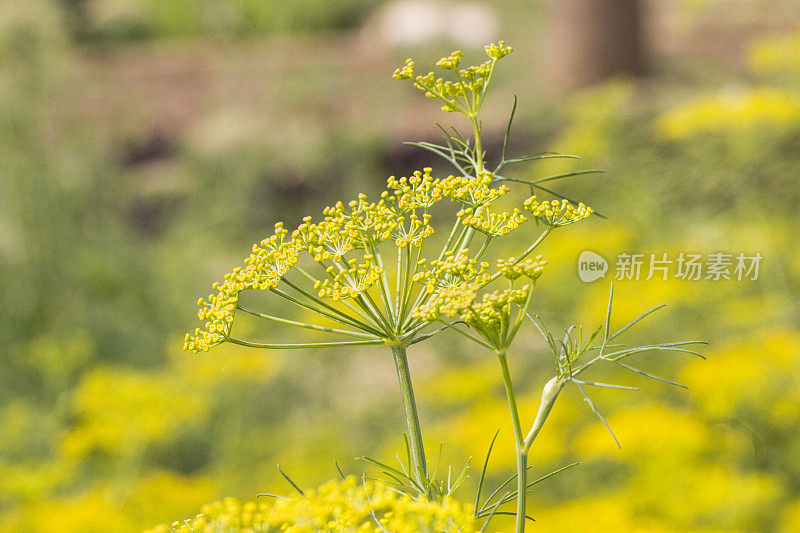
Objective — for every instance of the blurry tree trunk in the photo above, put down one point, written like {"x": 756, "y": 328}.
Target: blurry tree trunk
{"x": 597, "y": 39}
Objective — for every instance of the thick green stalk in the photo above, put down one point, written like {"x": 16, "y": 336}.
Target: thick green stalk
{"x": 519, "y": 441}
{"x": 522, "y": 490}
{"x": 418, "y": 466}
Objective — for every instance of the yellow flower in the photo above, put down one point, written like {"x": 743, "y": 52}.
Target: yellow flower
{"x": 347, "y": 506}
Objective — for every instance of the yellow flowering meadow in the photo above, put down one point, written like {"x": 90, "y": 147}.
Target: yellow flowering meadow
{"x": 730, "y": 112}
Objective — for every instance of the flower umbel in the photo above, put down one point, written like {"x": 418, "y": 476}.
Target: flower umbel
{"x": 555, "y": 213}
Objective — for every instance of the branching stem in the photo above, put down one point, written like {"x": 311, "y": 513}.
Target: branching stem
{"x": 523, "y": 444}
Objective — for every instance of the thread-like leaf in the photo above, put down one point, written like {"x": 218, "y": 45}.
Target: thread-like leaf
{"x": 597, "y": 412}
{"x": 296, "y": 487}
{"x": 490, "y": 516}
{"x": 666, "y": 346}
{"x": 608, "y": 314}
{"x": 384, "y": 466}
{"x": 624, "y": 328}
{"x": 499, "y": 488}
{"x": 270, "y": 495}
{"x": 606, "y": 385}
{"x": 567, "y": 175}
{"x": 512, "y": 495}
{"x": 653, "y": 376}
{"x": 483, "y": 470}
{"x": 506, "y": 136}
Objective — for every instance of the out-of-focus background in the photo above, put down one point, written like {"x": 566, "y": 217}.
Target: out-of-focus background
{"x": 144, "y": 145}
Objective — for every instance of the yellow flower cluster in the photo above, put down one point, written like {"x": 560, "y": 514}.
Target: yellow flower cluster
{"x": 473, "y": 192}
{"x": 405, "y": 72}
{"x": 351, "y": 281}
{"x": 452, "y": 282}
{"x": 555, "y": 213}
{"x": 263, "y": 270}
{"x": 498, "y": 51}
{"x": 453, "y": 269}
{"x": 460, "y": 301}
{"x": 776, "y": 54}
{"x": 347, "y": 506}
{"x": 448, "y": 301}
{"x": 450, "y": 62}
{"x": 421, "y": 190}
{"x": 401, "y": 215}
{"x": 471, "y": 80}
{"x": 494, "y": 308}
{"x": 731, "y": 112}
{"x": 531, "y": 268}
{"x": 359, "y": 224}
{"x": 272, "y": 259}
{"x": 455, "y": 282}
{"x": 491, "y": 224}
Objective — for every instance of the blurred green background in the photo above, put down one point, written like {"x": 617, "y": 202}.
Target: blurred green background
{"x": 144, "y": 145}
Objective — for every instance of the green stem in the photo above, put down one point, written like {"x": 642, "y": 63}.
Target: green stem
{"x": 408, "y": 286}
{"x": 476, "y": 131}
{"x": 302, "y": 345}
{"x": 342, "y": 317}
{"x": 399, "y": 287}
{"x": 304, "y": 325}
{"x": 522, "y": 489}
{"x": 519, "y": 441}
{"x": 383, "y": 288}
{"x": 483, "y": 248}
{"x": 418, "y": 466}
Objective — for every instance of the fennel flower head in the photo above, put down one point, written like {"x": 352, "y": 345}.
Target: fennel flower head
{"x": 366, "y": 264}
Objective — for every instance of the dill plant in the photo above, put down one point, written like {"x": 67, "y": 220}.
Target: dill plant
{"x": 370, "y": 274}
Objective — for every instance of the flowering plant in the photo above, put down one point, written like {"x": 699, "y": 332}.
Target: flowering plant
{"x": 374, "y": 272}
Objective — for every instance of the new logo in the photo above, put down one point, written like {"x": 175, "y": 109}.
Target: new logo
{"x": 591, "y": 266}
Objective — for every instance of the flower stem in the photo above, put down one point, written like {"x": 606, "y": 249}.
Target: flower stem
{"x": 519, "y": 441}
{"x": 418, "y": 466}
{"x": 522, "y": 489}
